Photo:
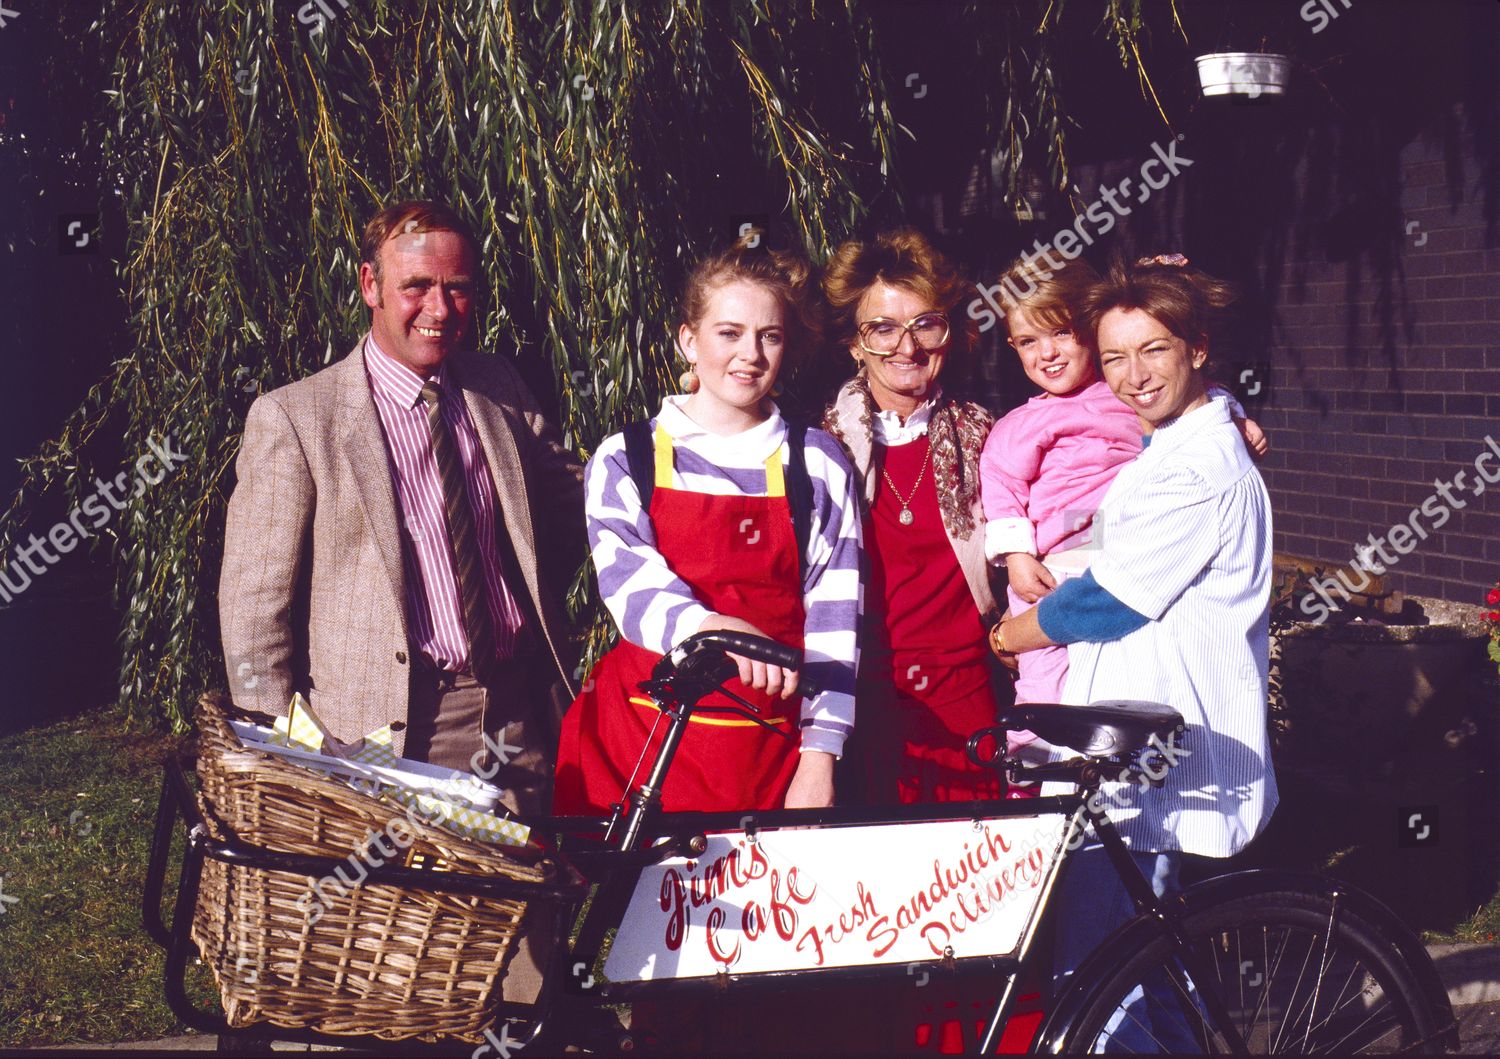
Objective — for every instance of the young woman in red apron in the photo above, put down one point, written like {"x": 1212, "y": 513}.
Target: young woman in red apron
{"x": 716, "y": 548}
{"x": 723, "y": 763}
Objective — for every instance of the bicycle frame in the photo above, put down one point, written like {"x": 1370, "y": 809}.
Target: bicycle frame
{"x": 618, "y": 871}
{"x": 640, "y": 836}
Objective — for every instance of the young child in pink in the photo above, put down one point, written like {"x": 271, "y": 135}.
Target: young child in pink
{"x": 1047, "y": 464}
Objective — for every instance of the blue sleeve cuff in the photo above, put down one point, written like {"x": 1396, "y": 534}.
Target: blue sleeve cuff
{"x": 1079, "y": 609}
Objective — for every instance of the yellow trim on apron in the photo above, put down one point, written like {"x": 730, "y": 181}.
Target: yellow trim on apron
{"x": 775, "y": 478}
{"x": 663, "y": 459}
{"x": 721, "y": 722}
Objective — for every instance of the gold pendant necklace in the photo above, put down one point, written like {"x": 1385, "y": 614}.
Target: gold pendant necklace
{"x": 906, "y": 518}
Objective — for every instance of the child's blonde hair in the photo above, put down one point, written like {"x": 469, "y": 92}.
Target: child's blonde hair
{"x": 1053, "y": 297}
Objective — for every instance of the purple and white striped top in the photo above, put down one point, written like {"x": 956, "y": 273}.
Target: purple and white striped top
{"x": 434, "y": 608}
{"x": 656, "y": 609}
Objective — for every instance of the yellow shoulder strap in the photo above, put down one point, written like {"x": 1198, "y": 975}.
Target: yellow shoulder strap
{"x": 775, "y": 476}
{"x": 663, "y": 459}
{"x": 775, "y": 479}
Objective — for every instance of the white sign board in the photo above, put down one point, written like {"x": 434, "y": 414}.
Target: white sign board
{"x": 837, "y": 897}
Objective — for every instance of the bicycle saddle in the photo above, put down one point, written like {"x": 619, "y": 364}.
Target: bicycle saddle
{"x": 1110, "y": 726}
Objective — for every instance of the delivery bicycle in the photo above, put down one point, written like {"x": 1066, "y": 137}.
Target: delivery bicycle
{"x": 1256, "y": 962}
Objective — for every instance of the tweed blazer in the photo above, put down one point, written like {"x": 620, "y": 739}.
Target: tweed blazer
{"x": 312, "y": 594}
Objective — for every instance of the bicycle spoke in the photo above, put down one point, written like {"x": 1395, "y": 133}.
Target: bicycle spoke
{"x": 1239, "y": 964}
{"x": 1299, "y": 1008}
{"x": 1146, "y": 1029}
{"x": 1266, "y": 995}
{"x": 1296, "y": 1010}
{"x": 1349, "y": 1043}
{"x": 1301, "y": 972}
{"x": 1382, "y": 1011}
{"x": 1319, "y": 1017}
{"x": 1339, "y": 1003}
{"x": 1268, "y": 976}
{"x": 1189, "y": 1008}
{"x": 1323, "y": 964}
{"x": 1328, "y": 984}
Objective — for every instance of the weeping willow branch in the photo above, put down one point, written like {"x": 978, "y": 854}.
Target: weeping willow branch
{"x": 597, "y": 148}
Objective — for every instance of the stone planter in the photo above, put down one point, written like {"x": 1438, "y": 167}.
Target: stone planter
{"x": 1363, "y": 706}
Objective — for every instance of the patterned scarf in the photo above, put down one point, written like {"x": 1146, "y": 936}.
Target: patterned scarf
{"x": 956, "y": 433}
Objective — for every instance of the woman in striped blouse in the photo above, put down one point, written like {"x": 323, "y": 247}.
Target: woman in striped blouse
{"x": 716, "y": 548}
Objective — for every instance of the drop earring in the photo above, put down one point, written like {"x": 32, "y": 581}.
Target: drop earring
{"x": 688, "y": 381}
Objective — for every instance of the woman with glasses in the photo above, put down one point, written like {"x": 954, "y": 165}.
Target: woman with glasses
{"x": 924, "y": 669}
{"x": 924, "y": 674}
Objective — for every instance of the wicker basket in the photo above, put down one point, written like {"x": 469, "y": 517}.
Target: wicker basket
{"x": 383, "y": 961}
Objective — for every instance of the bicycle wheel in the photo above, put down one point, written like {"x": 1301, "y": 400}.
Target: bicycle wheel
{"x": 1291, "y": 975}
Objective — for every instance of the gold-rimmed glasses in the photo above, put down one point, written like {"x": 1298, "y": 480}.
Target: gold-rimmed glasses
{"x": 881, "y": 337}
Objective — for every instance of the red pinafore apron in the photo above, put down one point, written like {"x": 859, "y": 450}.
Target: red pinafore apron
{"x": 739, "y": 555}
{"x": 924, "y": 688}
{"x": 924, "y": 684}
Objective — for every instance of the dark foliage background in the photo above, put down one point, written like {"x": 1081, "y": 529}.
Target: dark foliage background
{"x": 598, "y": 149}
{"x": 233, "y": 150}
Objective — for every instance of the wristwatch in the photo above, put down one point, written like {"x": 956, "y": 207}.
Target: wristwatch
{"x": 997, "y": 639}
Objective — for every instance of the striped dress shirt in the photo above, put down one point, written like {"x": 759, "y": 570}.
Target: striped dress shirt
{"x": 1184, "y": 534}
{"x": 656, "y": 609}
{"x": 434, "y": 605}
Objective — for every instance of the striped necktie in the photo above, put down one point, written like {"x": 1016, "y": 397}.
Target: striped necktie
{"x": 462, "y": 538}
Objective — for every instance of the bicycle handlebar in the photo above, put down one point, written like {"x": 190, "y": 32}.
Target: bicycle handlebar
{"x": 756, "y": 648}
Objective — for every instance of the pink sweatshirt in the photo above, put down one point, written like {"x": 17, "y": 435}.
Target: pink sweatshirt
{"x": 1047, "y": 464}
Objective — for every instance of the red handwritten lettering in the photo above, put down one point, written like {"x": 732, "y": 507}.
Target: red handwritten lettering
{"x": 890, "y": 934}
{"x": 674, "y": 904}
{"x": 859, "y": 913}
{"x": 811, "y": 934}
{"x": 717, "y": 878}
{"x": 759, "y": 865}
{"x": 783, "y": 914}
{"x": 716, "y": 919}
{"x": 753, "y": 921}
{"x": 710, "y": 884}
{"x": 997, "y": 843}
{"x": 928, "y": 929}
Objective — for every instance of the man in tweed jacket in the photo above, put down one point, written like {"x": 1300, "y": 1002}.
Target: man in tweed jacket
{"x": 339, "y": 579}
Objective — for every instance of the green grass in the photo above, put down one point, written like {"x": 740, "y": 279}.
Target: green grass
{"x": 1482, "y": 927}
{"x": 77, "y": 800}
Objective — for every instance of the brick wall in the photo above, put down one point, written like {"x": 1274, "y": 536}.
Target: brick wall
{"x": 1360, "y": 425}
{"x": 1361, "y": 434}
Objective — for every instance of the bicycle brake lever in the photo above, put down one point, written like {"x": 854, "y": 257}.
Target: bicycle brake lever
{"x": 748, "y": 712}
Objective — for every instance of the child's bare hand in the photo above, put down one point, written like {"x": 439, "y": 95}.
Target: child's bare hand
{"x": 1255, "y": 438}
{"x": 1030, "y": 579}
